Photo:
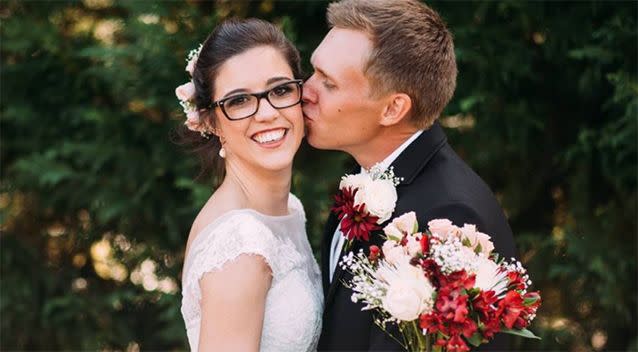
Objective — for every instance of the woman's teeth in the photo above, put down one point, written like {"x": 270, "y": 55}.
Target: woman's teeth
{"x": 269, "y": 136}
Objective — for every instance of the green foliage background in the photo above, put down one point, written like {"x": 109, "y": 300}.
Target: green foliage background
{"x": 96, "y": 202}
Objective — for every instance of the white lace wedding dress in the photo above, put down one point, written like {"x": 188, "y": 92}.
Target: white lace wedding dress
{"x": 294, "y": 304}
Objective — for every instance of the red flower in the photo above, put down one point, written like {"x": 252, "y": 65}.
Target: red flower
{"x": 452, "y": 305}
{"x": 432, "y": 322}
{"x": 491, "y": 325}
{"x": 466, "y": 328}
{"x": 344, "y": 201}
{"x": 358, "y": 223}
{"x": 510, "y": 309}
{"x": 432, "y": 271}
{"x": 516, "y": 282}
{"x": 374, "y": 253}
{"x": 458, "y": 279}
{"x": 425, "y": 243}
{"x": 483, "y": 303}
{"x": 456, "y": 344}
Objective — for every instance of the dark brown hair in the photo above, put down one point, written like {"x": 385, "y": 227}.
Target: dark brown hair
{"x": 413, "y": 51}
{"x": 228, "y": 39}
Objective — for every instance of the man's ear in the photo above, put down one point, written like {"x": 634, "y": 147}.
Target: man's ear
{"x": 397, "y": 108}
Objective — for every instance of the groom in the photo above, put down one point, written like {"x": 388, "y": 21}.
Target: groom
{"x": 382, "y": 76}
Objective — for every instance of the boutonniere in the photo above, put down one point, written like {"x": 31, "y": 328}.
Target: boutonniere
{"x": 365, "y": 201}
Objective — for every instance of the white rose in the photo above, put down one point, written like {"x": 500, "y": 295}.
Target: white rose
{"x": 380, "y": 198}
{"x": 409, "y": 294}
{"x": 354, "y": 181}
{"x": 394, "y": 253}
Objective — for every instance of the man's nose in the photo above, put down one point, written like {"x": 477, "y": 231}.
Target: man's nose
{"x": 309, "y": 92}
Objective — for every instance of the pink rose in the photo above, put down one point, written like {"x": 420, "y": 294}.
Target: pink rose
{"x": 192, "y": 120}
{"x": 413, "y": 245}
{"x": 405, "y": 224}
{"x": 394, "y": 253}
{"x": 476, "y": 239}
{"x": 185, "y": 92}
{"x": 443, "y": 228}
{"x": 392, "y": 232}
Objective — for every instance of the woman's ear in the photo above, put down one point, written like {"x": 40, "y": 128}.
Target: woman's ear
{"x": 397, "y": 108}
{"x": 207, "y": 119}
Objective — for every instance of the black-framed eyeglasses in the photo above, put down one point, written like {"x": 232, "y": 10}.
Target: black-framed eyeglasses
{"x": 245, "y": 105}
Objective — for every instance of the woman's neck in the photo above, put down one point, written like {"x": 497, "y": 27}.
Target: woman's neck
{"x": 262, "y": 190}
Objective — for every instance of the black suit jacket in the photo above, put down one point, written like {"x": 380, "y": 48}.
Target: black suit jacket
{"x": 437, "y": 184}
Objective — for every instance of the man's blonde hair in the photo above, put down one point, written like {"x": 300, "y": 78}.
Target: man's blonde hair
{"x": 413, "y": 51}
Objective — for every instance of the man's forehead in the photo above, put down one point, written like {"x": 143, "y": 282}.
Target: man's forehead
{"x": 342, "y": 48}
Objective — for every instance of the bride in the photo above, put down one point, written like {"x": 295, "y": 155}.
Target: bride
{"x": 249, "y": 280}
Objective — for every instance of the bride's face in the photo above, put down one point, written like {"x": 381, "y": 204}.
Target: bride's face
{"x": 269, "y": 138}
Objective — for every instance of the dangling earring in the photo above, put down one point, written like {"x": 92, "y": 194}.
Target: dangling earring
{"x": 222, "y": 152}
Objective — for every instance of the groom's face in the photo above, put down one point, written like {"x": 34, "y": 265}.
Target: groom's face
{"x": 339, "y": 112}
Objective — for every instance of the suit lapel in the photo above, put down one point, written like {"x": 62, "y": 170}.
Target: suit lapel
{"x": 414, "y": 158}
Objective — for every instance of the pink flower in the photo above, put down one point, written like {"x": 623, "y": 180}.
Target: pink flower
{"x": 405, "y": 224}
{"x": 190, "y": 67}
{"x": 442, "y": 228}
{"x": 394, "y": 253}
{"x": 185, "y": 92}
{"x": 479, "y": 241}
{"x": 192, "y": 120}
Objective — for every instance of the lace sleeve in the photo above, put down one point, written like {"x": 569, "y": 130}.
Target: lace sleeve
{"x": 237, "y": 235}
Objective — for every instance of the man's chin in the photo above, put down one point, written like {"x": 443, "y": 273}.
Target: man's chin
{"x": 314, "y": 141}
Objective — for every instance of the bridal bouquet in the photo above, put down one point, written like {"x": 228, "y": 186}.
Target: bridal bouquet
{"x": 444, "y": 288}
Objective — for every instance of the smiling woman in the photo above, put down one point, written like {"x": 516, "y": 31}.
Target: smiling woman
{"x": 250, "y": 281}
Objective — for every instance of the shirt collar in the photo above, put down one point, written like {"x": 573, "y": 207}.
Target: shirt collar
{"x": 395, "y": 154}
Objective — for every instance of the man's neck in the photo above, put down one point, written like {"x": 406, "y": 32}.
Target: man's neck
{"x": 381, "y": 147}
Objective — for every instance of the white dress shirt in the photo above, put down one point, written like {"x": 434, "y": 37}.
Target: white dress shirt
{"x": 338, "y": 239}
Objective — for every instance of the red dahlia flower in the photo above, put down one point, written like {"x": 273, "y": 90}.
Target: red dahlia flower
{"x": 358, "y": 223}
{"x": 344, "y": 201}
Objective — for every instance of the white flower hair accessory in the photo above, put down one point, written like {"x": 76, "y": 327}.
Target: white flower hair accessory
{"x": 186, "y": 96}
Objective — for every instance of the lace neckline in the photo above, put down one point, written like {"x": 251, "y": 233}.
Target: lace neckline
{"x": 293, "y": 212}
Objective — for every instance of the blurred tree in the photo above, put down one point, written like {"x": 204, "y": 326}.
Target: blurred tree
{"x": 96, "y": 202}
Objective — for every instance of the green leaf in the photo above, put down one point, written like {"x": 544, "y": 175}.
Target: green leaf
{"x": 530, "y": 300}
{"x": 466, "y": 242}
{"x": 475, "y": 339}
{"x": 523, "y": 333}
